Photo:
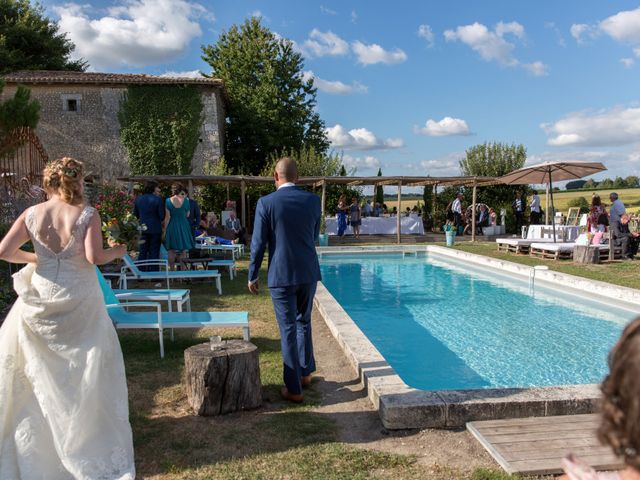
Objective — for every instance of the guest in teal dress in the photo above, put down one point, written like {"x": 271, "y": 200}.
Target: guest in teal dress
{"x": 178, "y": 239}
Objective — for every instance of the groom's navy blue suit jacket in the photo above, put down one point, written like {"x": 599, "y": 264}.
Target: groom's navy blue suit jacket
{"x": 288, "y": 222}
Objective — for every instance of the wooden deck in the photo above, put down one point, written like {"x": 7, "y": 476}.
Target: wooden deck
{"x": 535, "y": 446}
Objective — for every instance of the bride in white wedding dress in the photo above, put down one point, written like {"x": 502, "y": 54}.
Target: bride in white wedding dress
{"x": 63, "y": 395}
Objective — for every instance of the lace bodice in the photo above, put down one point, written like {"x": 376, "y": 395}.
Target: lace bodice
{"x": 71, "y": 258}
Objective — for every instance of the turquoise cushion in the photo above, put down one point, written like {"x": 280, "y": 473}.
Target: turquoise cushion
{"x": 109, "y": 297}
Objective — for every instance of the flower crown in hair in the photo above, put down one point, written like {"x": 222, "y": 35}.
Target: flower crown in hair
{"x": 71, "y": 171}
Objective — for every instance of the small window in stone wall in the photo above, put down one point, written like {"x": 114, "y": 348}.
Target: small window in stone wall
{"x": 71, "y": 103}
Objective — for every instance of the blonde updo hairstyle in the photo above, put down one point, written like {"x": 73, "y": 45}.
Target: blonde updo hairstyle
{"x": 620, "y": 425}
{"x": 64, "y": 177}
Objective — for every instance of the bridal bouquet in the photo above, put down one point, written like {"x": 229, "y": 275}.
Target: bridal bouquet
{"x": 119, "y": 224}
{"x": 124, "y": 230}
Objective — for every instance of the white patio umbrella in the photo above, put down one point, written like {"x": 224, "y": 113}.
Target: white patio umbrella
{"x": 548, "y": 172}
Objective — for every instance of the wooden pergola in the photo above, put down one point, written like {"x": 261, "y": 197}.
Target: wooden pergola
{"x": 191, "y": 181}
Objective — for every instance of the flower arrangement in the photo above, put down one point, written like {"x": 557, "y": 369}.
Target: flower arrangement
{"x": 119, "y": 224}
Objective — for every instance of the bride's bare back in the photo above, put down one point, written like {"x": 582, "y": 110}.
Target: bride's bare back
{"x": 56, "y": 221}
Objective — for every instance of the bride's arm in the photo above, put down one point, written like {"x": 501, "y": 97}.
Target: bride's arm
{"x": 13, "y": 240}
{"x": 93, "y": 244}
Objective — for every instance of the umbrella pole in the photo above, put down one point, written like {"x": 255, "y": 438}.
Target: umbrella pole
{"x": 546, "y": 206}
{"x": 553, "y": 213}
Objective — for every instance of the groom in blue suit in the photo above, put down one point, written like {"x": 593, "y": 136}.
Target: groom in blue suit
{"x": 288, "y": 222}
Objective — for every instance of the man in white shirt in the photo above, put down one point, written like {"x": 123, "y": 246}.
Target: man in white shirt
{"x": 617, "y": 208}
{"x": 456, "y": 208}
{"x": 535, "y": 208}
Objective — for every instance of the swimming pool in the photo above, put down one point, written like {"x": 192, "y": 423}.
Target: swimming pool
{"x": 444, "y": 325}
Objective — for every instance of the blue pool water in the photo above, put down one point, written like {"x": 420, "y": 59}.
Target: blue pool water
{"x": 446, "y": 325}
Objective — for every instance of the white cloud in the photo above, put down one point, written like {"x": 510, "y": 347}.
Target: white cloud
{"x": 334, "y": 86}
{"x": 538, "y": 69}
{"x": 424, "y": 31}
{"x": 361, "y": 163}
{"x": 583, "y": 32}
{"x": 617, "y": 126}
{"x": 374, "y": 53}
{"x": 444, "y": 128}
{"x": 354, "y": 16}
{"x": 327, "y": 10}
{"x": 359, "y": 139}
{"x": 514, "y": 28}
{"x": 556, "y": 30}
{"x": 623, "y": 26}
{"x": 447, "y": 165}
{"x": 136, "y": 33}
{"x": 320, "y": 44}
{"x": 627, "y": 62}
{"x": 491, "y": 45}
{"x": 187, "y": 74}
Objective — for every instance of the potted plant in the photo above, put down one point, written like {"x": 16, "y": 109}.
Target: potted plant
{"x": 323, "y": 238}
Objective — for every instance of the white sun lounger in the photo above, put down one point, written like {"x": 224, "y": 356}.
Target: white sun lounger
{"x": 558, "y": 251}
{"x": 518, "y": 245}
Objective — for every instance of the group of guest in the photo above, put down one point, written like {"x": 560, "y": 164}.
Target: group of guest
{"x": 176, "y": 222}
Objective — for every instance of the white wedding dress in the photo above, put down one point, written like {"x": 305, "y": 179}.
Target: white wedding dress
{"x": 63, "y": 396}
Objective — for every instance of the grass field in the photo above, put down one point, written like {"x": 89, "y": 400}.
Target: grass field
{"x": 629, "y": 196}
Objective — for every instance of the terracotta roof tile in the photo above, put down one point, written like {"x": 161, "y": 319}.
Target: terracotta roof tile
{"x": 51, "y": 76}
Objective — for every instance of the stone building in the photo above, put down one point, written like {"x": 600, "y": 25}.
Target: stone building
{"x": 79, "y": 115}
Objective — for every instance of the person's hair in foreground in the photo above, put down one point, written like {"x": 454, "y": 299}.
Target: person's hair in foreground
{"x": 595, "y": 201}
{"x": 620, "y": 425}
{"x": 64, "y": 177}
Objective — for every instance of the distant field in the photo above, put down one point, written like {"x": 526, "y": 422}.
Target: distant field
{"x": 629, "y": 196}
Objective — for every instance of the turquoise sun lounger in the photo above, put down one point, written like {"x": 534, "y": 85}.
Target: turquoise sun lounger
{"x": 122, "y": 318}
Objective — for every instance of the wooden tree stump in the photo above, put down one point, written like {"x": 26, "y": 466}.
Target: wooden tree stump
{"x": 223, "y": 380}
{"x": 586, "y": 254}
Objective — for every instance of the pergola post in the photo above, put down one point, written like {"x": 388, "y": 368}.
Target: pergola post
{"x": 473, "y": 213}
{"x": 323, "y": 199}
{"x": 243, "y": 188}
{"x": 227, "y": 193}
{"x": 190, "y": 189}
{"x": 399, "y": 212}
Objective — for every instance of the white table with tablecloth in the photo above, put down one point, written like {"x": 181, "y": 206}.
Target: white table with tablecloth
{"x": 568, "y": 233}
{"x": 381, "y": 226}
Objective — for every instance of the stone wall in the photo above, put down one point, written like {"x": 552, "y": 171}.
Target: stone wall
{"x": 91, "y": 133}
{"x": 211, "y": 144}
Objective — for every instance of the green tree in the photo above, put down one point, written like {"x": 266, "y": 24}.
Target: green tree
{"x": 619, "y": 182}
{"x": 379, "y": 190}
{"x": 494, "y": 160}
{"x": 31, "y": 41}
{"x": 632, "y": 181}
{"x": 160, "y": 128}
{"x": 581, "y": 203}
{"x": 590, "y": 184}
{"x": 19, "y": 111}
{"x": 271, "y": 104}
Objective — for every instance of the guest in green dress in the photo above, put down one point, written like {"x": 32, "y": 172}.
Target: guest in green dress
{"x": 178, "y": 239}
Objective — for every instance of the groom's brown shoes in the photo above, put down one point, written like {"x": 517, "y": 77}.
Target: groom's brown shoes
{"x": 292, "y": 397}
{"x": 306, "y": 381}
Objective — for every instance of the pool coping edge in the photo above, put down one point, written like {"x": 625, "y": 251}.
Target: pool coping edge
{"x": 401, "y": 406}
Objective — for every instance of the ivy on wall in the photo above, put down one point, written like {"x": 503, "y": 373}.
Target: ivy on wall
{"x": 160, "y": 128}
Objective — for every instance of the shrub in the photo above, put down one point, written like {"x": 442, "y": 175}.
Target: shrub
{"x": 580, "y": 202}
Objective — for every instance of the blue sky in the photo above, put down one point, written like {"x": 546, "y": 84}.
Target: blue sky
{"x": 408, "y": 86}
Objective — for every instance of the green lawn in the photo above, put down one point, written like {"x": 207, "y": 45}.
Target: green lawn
{"x": 277, "y": 441}
{"x": 624, "y": 273}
